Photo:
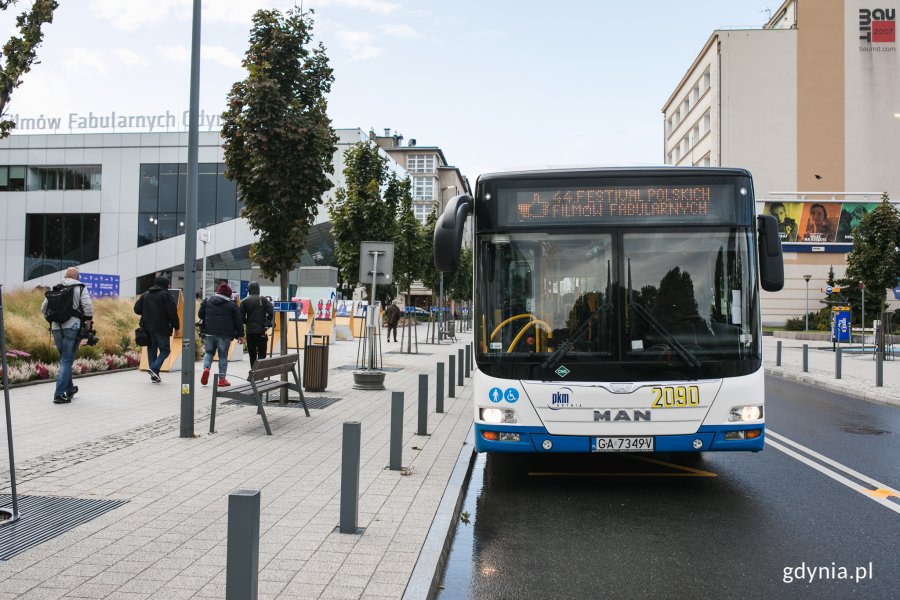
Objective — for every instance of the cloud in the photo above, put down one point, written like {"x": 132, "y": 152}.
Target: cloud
{"x": 85, "y": 62}
{"x": 375, "y": 6}
{"x": 401, "y": 31}
{"x": 131, "y": 15}
{"x": 129, "y": 58}
{"x": 360, "y": 44}
{"x": 216, "y": 54}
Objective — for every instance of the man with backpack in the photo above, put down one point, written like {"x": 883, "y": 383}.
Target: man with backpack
{"x": 67, "y": 307}
{"x": 159, "y": 317}
{"x": 257, "y": 313}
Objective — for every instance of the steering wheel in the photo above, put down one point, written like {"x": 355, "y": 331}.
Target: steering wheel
{"x": 533, "y": 321}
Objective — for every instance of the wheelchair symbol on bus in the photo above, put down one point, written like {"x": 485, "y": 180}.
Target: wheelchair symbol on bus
{"x": 511, "y": 395}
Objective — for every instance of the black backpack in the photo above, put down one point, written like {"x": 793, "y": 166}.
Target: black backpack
{"x": 61, "y": 303}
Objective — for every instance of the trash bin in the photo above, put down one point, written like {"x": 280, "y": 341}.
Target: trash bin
{"x": 315, "y": 363}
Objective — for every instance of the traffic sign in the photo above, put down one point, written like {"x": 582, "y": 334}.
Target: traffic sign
{"x": 828, "y": 289}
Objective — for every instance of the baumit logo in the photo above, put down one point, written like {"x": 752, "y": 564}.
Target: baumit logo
{"x": 878, "y": 25}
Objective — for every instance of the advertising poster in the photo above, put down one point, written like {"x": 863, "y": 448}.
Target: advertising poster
{"x": 359, "y": 308}
{"x": 344, "y": 308}
{"x": 101, "y": 285}
{"x": 788, "y": 215}
{"x": 851, "y": 215}
{"x": 819, "y": 222}
{"x": 303, "y": 313}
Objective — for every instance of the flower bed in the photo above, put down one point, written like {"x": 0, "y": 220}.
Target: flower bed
{"x": 23, "y": 372}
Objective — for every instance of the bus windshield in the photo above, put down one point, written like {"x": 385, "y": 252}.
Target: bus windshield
{"x": 633, "y": 303}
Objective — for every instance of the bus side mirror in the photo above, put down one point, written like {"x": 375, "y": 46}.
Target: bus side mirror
{"x": 448, "y": 232}
{"x": 771, "y": 260}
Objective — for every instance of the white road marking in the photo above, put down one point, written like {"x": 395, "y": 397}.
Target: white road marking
{"x": 833, "y": 473}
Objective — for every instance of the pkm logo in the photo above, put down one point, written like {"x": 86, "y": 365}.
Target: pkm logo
{"x": 560, "y": 399}
{"x": 878, "y": 25}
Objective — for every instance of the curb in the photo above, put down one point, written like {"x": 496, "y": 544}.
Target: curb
{"x": 882, "y": 398}
{"x": 426, "y": 576}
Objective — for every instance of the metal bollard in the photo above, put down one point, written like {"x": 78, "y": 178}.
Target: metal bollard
{"x": 837, "y": 364}
{"x": 396, "y": 431}
{"x": 242, "y": 562}
{"x": 451, "y": 378}
{"x": 459, "y": 374}
{"x": 423, "y": 405}
{"x": 879, "y": 368}
{"x": 468, "y": 360}
{"x": 778, "y": 354}
{"x": 350, "y": 443}
{"x": 806, "y": 358}
{"x": 439, "y": 401}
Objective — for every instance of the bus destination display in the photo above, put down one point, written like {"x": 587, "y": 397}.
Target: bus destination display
{"x": 659, "y": 204}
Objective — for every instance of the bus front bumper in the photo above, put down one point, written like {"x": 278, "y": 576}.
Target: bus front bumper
{"x": 532, "y": 439}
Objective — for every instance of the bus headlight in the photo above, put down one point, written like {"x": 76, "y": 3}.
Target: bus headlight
{"x": 497, "y": 415}
{"x": 746, "y": 413}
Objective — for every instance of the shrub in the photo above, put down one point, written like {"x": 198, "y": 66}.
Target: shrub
{"x": 795, "y": 324}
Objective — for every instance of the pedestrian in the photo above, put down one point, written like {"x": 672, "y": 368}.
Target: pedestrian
{"x": 222, "y": 320}
{"x": 257, "y": 314}
{"x": 159, "y": 317}
{"x": 68, "y": 308}
{"x": 392, "y": 318}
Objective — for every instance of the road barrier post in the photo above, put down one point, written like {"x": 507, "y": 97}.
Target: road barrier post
{"x": 806, "y": 358}
{"x": 396, "y": 431}
{"x": 350, "y": 444}
{"x": 778, "y": 354}
{"x": 242, "y": 554}
{"x": 451, "y": 378}
{"x": 439, "y": 400}
{"x": 837, "y": 364}
{"x": 423, "y": 405}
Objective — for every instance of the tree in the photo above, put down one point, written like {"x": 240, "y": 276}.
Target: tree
{"x": 875, "y": 258}
{"x": 19, "y": 52}
{"x": 410, "y": 256}
{"x": 358, "y": 212}
{"x": 278, "y": 139}
{"x": 460, "y": 285}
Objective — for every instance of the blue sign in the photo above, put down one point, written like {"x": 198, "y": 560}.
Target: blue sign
{"x": 511, "y": 395}
{"x": 101, "y": 286}
{"x": 245, "y": 289}
{"x": 840, "y": 326}
{"x": 897, "y": 293}
{"x": 495, "y": 395}
{"x": 282, "y": 306}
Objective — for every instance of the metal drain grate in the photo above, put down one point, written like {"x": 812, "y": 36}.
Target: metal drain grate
{"x": 354, "y": 368}
{"x": 45, "y": 517}
{"x": 318, "y": 402}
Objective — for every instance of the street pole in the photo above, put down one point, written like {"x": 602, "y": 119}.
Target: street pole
{"x": 9, "y": 436}
{"x": 807, "y": 278}
{"x": 203, "y": 234}
{"x": 862, "y": 287}
{"x": 190, "y": 239}
{"x": 374, "y": 314}
{"x": 441, "y": 309}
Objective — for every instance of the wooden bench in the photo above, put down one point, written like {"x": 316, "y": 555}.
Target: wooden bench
{"x": 259, "y": 382}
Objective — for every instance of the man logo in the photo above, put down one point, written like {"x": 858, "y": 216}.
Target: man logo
{"x": 622, "y": 415}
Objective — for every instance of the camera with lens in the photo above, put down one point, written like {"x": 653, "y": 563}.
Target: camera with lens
{"x": 89, "y": 334}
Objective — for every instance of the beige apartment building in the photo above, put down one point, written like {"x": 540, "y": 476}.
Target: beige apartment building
{"x": 810, "y": 104}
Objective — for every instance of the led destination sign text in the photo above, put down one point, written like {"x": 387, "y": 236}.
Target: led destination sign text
{"x": 610, "y": 204}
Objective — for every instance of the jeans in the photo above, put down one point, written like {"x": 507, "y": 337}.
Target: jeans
{"x": 256, "y": 346}
{"x": 216, "y": 344}
{"x": 157, "y": 350}
{"x": 66, "y": 341}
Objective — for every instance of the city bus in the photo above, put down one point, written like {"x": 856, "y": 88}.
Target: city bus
{"x": 616, "y": 310}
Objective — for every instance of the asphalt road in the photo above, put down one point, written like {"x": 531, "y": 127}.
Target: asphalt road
{"x": 671, "y": 526}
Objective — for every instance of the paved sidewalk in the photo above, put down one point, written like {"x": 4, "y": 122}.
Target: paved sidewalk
{"x": 119, "y": 440}
{"x": 857, "y": 370}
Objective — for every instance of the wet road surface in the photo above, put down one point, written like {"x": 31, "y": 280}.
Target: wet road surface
{"x": 674, "y": 526}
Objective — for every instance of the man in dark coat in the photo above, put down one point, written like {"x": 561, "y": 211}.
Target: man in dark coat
{"x": 222, "y": 319}
{"x": 392, "y": 318}
{"x": 159, "y": 317}
{"x": 257, "y": 312}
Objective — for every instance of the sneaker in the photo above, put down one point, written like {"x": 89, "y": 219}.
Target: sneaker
{"x": 154, "y": 376}
{"x": 204, "y": 379}
{"x": 223, "y": 382}
{"x": 61, "y": 399}
{"x": 72, "y": 392}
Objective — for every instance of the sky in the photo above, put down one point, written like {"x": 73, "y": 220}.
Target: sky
{"x": 496, "y": 84}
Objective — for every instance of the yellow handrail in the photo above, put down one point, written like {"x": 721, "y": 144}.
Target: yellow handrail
{"x": 524, "y": 329}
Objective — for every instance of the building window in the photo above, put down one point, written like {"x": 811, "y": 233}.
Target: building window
{"x": 423, "y": 188}
{"x": 163, "y": 197}
{"x": 420, "y": 163}
{"x": 421, "y": 211}
{"x": 54, "y": 242}
{"x": 64, "y": 178}
{"x": 707, "y": 122}
{"x": 706, "y": 79}
{"x": 12, "y": 179}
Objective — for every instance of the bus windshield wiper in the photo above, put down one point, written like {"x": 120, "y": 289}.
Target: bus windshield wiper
{"x": 557, "y": 355}
{"x": 668, "y": 337}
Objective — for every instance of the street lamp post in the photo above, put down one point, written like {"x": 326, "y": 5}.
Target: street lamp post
{"x": 807, "y": 278}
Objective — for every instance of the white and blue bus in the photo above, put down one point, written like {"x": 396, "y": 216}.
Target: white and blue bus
{"x": 616, "y": 309}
